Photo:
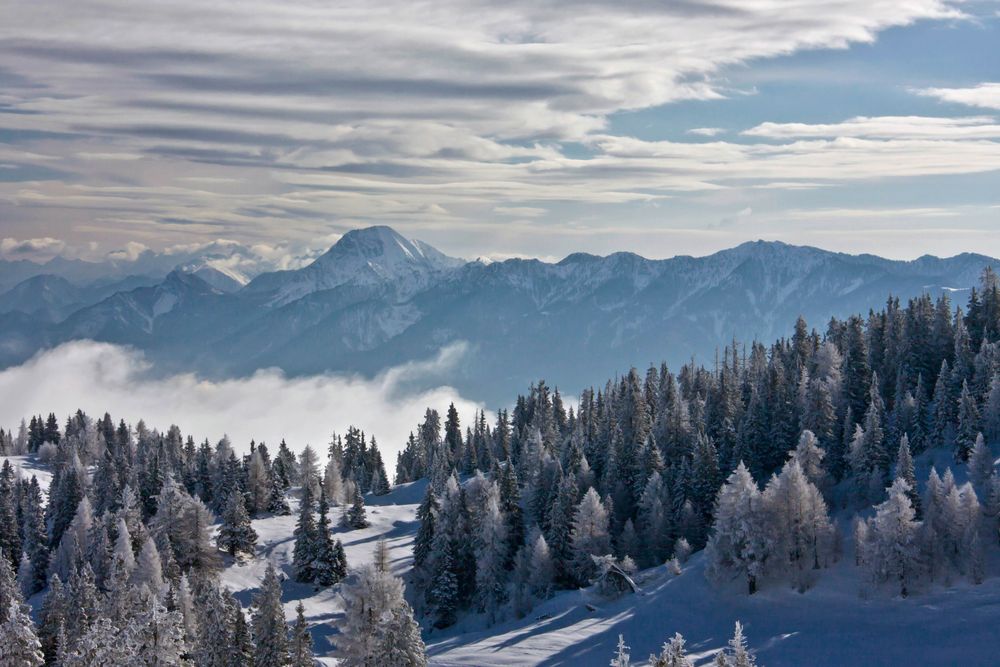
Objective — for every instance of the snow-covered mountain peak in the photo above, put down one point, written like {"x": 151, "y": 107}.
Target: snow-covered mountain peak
{"x": 375, "y": 256}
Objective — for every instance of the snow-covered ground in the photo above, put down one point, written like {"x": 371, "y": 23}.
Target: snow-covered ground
{"x": 827, "y": 626}
{"x": 392, "y": 517}
{"x": 28, "y": 466}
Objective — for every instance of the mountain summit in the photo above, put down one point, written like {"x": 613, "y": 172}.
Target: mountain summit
{"x": 372, "y": 257}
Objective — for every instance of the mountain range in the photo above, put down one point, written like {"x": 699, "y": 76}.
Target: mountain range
{"x": 376, "y": 300}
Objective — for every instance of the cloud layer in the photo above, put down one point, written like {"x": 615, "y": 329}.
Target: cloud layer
{"x": 268, "y": 406}
{"x": 262, "y": 119}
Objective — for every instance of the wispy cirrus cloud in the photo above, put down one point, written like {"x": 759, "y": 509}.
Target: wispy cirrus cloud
{"x": 270, "y": 119}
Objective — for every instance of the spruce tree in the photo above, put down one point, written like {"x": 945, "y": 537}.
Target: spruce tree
{"x": 356, "y": 516}
{"x": 325, "y": 566}
{"x": 305, "y": 550}
{"x": 270, "y": 631}
{"x": 980, "y": 463}
{"x": 301, "y": 649}
{"x": 236, "y": 535}
{"x": 968, "y": 424}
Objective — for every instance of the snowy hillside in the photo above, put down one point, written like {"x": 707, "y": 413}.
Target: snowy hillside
{"x": 830, "y": 625}
{"x": 392, "y": 517}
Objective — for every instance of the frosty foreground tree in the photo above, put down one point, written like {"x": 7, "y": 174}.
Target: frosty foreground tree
{"x": 739, "y": 545}
{"x": 378, "y": 626}
{"x": 672, "y": 654}
{"x": 890, "y": 549}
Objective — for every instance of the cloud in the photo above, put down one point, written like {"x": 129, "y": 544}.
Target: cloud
{"x": 264, "y": 119}
{"x": 706, "y": 131}
{"x": 885, "y": 127}
{"x": 33, "y": 249}
{"x": 268, "y": 406}
{"x": 984, "y": 95}
{"x": 733, "y": 220}
{"x": 520, "y": 211}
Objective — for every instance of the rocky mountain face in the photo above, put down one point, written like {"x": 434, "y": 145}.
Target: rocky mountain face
{"x": 376, "y": 300}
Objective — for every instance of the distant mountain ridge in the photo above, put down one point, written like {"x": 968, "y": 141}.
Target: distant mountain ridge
{"x": 376, "y": 300}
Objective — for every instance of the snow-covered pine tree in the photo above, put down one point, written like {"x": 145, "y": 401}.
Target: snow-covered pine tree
{"x": 301, "y": 649}
{"x": 270, "y": 631}
{"x": 980, "y": 463}
{"x": 891, "y": 552}
{"x": 378, "y": 626}
{"x": 491, "y": 556}
{"x": 800, "y": 525}
{"x": 242, "y": 649}
{"x": 19, "y": 645}
{"x": 305, "y": 550}
{"x": 326, "y": 569}
{"x": 214, "y": 638}
{"x": 589, "y": 536}
{"x": 621, "y": 657}
{"x": 157, "y": 637}
{"x": 236, "y": 535}
{"x": 356, "y": 515}
{"x": 672, "y": 654}
{"x": 739, "y": 545}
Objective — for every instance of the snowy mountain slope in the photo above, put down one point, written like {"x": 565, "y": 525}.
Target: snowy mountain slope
{"x": 828, "y": 626}
{"x": 46, "y": 296}
{"x": 392, "y": 517}
{"x": 29, "y": 466}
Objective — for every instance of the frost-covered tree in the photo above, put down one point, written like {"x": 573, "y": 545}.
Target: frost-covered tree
{"x": 541, "y": 567}
{"x": 801, "y": 532}
{"x": 301, "y": 649}
{"x": 621, "y": 657}
{"x": 148, "y": 568}
{"x": 890, "y": 550}
{"x": 590, "y": 536}
{"x": 157, "y": 637}
{"x": 101, "y": 644}
{"x": 214, "y": 637}
{"x": 739, "y": 544}
{"x": 236, "y": 535}
{"x": 672, "y": 654}
{"x": 736, "y": 654}
{"x": 905, "y": 471}
{"x": 356, "y": 516}
{"x": 810, "y": 457}
{"x": 491, "y": 557}
{"x": 270, "y": 631}
{"x": 378, "y": 627}
{"x": 19, "y": 645}
{"x": 305, "y": 550}
{"x": 980, "y": 462}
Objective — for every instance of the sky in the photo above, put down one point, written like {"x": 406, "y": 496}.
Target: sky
{"x": 525, "y": 128}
